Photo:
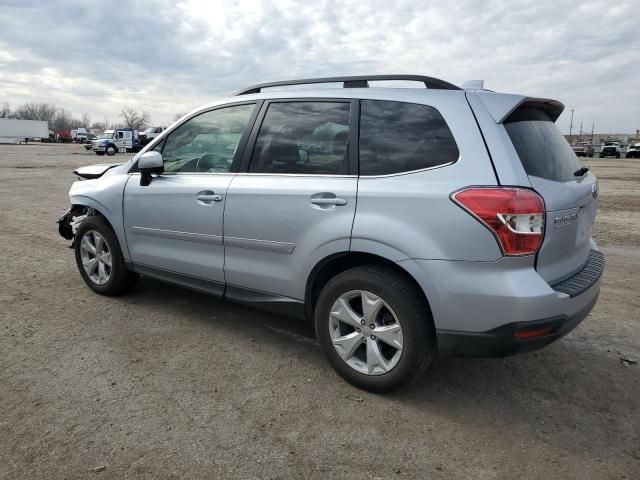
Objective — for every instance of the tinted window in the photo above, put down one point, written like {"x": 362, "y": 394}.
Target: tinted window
{"x": 400, "y": 137}
{"x": 304, "y": 138}
{"x": 208, "y": 142}
{"x": 542, "y": 149}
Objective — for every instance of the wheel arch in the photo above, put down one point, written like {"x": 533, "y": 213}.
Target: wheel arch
{"x": 102, "y": 210}
{"x": 336, "y": 263}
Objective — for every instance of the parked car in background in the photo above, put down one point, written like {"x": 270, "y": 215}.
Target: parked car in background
{"x": 633, "y": 150}
{"x": 610, "y": 149}
{"x": 84, "y": 137}
{"x": 77, "y": 133}
{"x": 583, "y": 149}
{"x": 253, "y": 199}
{"x": 149, "y": 134}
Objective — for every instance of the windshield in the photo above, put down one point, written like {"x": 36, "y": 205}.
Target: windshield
{"x": 543, "y": 150}
{"x": 108, "y": 135}
{"x": 150, "y": 130}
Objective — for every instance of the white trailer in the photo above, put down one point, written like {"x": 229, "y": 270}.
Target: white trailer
{"x": 16, "y": 131}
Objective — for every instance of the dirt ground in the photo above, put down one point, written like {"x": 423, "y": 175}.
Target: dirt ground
{"x": 168, "y": 383}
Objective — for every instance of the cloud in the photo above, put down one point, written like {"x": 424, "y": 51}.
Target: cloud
{"x": 169, "y": 57}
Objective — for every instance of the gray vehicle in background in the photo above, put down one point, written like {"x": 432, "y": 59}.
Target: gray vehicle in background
{"x": 405, "y": 222}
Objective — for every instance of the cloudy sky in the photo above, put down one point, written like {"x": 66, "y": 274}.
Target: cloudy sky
{"x": 168, "y": 57}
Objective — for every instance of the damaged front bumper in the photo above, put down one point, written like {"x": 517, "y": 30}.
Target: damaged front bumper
{"x": 68, "y": 223}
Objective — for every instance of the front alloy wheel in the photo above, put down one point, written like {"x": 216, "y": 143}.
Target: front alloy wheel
{"x": 100, "y": 259}
{"x": 365, "y": 332}
{"x": 96, "y": 257}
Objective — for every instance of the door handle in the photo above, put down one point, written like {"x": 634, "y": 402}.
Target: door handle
{"x": 208, "y": 197}
{"x": 329, "y": 201}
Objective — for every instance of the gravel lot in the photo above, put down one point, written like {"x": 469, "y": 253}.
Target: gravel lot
{"x": 168, "y": 383}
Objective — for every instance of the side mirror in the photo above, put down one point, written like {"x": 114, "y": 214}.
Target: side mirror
{"x": 148, "y": 163}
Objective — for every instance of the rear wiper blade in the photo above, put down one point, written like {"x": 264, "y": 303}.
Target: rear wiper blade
{"x": 580, "y": 172}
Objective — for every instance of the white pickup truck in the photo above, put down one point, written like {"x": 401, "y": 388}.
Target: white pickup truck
{"x": 610, "y": 149}
{"x": 149, "y": 134}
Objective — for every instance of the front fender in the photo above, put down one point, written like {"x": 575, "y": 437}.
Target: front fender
{"x": 104, "y": 194}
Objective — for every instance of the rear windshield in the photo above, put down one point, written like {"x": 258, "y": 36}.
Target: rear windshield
{"x": 543, "y": 150}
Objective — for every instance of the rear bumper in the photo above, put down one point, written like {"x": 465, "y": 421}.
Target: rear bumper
{"x": 503, "y": 341}
{"x": 484, "y": 309}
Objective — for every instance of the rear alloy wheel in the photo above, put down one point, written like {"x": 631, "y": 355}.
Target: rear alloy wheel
{"x": 365, "y": 332}
{"x": 374, "y": 327}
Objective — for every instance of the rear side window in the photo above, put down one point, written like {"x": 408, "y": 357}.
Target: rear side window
{"x": 307, "y": 138}
{"x": 400, "y": 137}
{"x": 542, "y": 149}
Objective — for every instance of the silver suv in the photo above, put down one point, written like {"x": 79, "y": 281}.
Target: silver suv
{"x": 406, "y": 222}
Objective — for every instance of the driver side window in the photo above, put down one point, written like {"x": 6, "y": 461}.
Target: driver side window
{"x": 208, "y": 142}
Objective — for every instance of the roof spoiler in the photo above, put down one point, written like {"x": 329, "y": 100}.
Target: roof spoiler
{"x": 501, "y": 105}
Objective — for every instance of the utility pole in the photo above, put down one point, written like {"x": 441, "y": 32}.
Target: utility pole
{"x": 593, "y": 125}
{"x": 571, "y": 128}
{"x": 580, "y": 137}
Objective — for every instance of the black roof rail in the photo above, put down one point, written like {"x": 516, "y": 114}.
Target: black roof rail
{"x": 360, "y": 81}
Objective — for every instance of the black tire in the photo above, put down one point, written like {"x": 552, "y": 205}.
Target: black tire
{"x": 601, "y": 155}
{"x": 110, "y": 150}
{"x": 120, "y": 279}
{"x": 617, "y": 155}
{"x": 405, "y": 300}
{"x": 100, "y": 153}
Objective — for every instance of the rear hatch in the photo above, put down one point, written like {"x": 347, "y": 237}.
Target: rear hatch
{"x": 570, "y": 199}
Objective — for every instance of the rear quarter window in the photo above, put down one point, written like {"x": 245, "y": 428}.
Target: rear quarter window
{"x": 400, "y": 137}
{"x": 542, "y": 149}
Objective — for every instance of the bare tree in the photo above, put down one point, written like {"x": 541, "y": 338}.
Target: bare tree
{"x": 36, "y": 111}
{"x": 5, "y": 110}
{"x": 62, "y": 120}
{"x": 76, "y": 123}
{"x": 134, "y": 119}
{"x": 98, "y": 126}
{"x": 86, "y": 120}
{"x": 178, "y": 116}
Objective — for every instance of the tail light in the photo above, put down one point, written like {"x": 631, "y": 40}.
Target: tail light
{"x": 514, "y": 215}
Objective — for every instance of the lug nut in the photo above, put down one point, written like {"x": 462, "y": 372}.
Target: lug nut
{"x": 364, "y": 339}
{"x": 373, "y": 337}
{"x": 361, "y": 322}
{"x": 358, "y": 330}
{"x": 372, "y": 326}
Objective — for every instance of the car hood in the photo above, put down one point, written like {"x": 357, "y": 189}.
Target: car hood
{"x": 94, "y": 171}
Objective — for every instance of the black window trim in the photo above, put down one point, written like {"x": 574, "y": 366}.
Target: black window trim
{"x": 354, "y": 113}
{"x": 242, "y": 144}
{"x": 408, "y": 172}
